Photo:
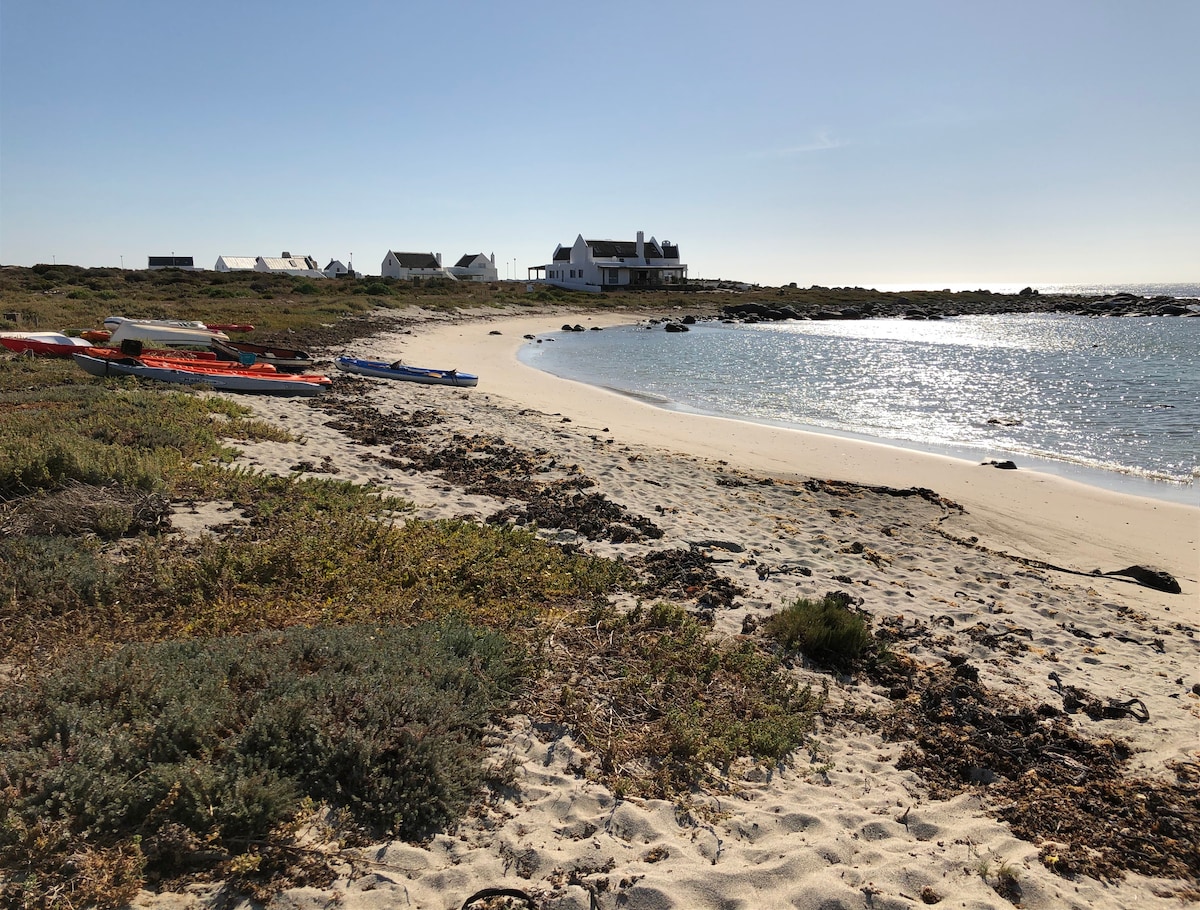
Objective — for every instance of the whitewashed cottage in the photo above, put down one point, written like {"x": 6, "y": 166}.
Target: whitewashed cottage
{"x": 475, "y": 267}
{"x": 593, "y": 265}
{"x": 413, "y": 265}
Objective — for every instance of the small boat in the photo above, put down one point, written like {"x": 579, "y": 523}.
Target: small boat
{"x": 45, "y": 344}
{"x": 289, "y": 360}
{"x": 134, "y": 349}
{"x": 398, "y": 370}
{"x": 205, "y": 361}
{"x": 228, "y": 379}
{"x": 112, "y": 322}
{"x": 164, "y": 335}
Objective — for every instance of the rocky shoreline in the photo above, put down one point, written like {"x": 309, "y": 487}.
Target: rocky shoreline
{"x": 861, "y": 304}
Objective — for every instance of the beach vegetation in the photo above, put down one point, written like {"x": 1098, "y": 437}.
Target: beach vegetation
{"x": 123, "y": 639}
{"x": 828, "y": 631}
{"x": 215, "y": 743}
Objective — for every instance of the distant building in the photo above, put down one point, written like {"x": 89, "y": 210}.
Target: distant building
{"x": 236, "y": 263}
{"x": 287, "y": 264}
{"x": 171, "y": 262}
{"x": 335, "y": 269}
{"x": 475, "y": 267}
{"x": 593, "y": 265}
{"x": 413, "y": 265}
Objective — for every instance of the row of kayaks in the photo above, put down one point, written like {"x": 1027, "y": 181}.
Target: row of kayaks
{"x": 196, "y": 353}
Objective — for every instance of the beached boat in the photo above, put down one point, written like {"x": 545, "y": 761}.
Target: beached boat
{"x": 111, "y": 323}
{"x": 164, "y": 335}
{"x": 289, "y": 360}
{"x": 44, "y": 344}
{"x": 206, "y": 373}
{"x": 398, "y": 370}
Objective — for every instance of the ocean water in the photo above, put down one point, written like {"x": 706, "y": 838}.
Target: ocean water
{"x": 1110, "y": 402}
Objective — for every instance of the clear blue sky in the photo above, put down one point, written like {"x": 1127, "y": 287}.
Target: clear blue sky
{"x": 864, "y": 142}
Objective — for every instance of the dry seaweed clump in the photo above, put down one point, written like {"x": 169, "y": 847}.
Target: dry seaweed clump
{"x": 1070, "y": 794}
{"x": 110, "y": 511}
{"x": 666, "y": 708}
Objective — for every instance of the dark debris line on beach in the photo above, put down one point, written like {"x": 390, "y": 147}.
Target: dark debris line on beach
{"x": 1055, "y": 786}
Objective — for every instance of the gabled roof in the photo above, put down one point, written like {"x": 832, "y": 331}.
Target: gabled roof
{"x": 562, "y": 254}
{"x": 281, "y": 264}
{"x": 238, "y": 262}
{"x": 613, "y": 249}
{"x": 467, "y": 259}
{"x": 620, "y": 249}
{"x": 416, "y": 260}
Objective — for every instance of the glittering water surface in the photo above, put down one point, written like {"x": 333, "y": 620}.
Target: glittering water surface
{"x": 1114, "y": 395}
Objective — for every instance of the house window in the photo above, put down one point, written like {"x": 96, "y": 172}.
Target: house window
{"x": 612, "y": 276}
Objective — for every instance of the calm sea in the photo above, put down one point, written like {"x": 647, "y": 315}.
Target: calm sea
{"x": 1111, "y": 402}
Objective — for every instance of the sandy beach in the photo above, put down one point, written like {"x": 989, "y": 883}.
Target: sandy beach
{"x": 994, "y": 571}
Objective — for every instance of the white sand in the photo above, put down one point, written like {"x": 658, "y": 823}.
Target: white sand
{"x": 841, "y": 827}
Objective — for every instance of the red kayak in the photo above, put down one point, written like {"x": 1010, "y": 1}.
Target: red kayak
{"x": 229, "y": 326}
{"x": 44, "y": 344}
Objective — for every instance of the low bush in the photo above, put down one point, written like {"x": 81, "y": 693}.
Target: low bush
{"x": 226, "y": 737}
{"x": 828, "y": 631}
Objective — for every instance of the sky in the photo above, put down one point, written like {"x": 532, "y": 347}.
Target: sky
{"x": 858, "y": 143}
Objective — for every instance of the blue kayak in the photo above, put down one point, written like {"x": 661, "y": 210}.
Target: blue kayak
{"x": 398, "y": 370}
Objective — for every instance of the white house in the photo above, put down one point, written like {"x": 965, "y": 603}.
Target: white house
{"x": 413, "y": 265}
{"x": 235, "y": 263}
{"x": 593, "y": 265}
{"x": 287, "y": 264}
{"x": 475, "y": 267}
{"x": 335, "y": 269}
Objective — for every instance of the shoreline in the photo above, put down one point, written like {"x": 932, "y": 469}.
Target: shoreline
{"x": 1038, "y": 510}
{"x": 845, "y": 819}
{"x": 1160, "y": 490}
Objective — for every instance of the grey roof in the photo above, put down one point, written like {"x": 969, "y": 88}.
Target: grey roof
{"x": 621, "y": 249}
{"x": 416, "y": 260}
{"x": 168, "y": 262}
{"x": 466, "y": 260}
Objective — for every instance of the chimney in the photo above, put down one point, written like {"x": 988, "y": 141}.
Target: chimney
{"x": 438, "y": 257}
{"x": 286, "y": 255}
{"x": 641, "y": 245}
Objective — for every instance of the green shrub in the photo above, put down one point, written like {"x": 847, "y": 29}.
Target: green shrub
{"x": 54, "y": 574}
{"x": 225, "y": 737}
{"x": 827, "y": 630}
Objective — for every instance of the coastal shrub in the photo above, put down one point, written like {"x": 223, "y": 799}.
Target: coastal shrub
{"x": 225, "y": 738}
{"x": 295, "y": 562}
{"x": 828, "y": 631}
{"x": 89, "y": 433}
{"x": 53, "y": 574}
{"x": 306, "y": 288}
